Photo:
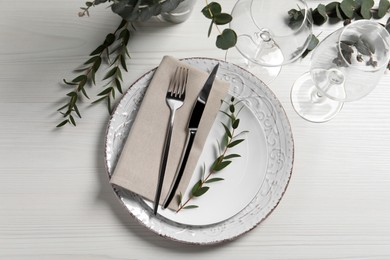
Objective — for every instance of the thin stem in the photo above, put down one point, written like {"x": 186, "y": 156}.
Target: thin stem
{"x": 212, "y": 171}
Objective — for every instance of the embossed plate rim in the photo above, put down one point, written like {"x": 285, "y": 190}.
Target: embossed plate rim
{"x": 262, "y": 205}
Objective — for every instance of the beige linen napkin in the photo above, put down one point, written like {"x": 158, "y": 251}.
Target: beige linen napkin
{"x": 137, "y": 169}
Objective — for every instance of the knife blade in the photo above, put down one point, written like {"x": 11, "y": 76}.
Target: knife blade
{"x": 192, "y": 128}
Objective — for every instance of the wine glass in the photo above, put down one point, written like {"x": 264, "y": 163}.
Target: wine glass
{"x": 270, "y": 33}
{"x": 345, "y": 66}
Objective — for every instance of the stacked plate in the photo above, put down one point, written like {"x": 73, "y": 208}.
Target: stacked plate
{"x": 253, "y": 183}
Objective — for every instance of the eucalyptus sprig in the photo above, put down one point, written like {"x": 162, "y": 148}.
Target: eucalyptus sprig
{"x": 115, "y": 73}
{"x": 345, "y": 11}
{"x": 226, "y": 38}
{"x": 230, "y": 140}
{"x": 89, "y": 69}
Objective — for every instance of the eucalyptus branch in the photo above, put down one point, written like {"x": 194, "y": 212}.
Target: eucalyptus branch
{"x": 85, "y": 10}
{"x": 227, "y": 38}
{"x": 345, "y": 11}
{"x": 88, "y": 72}
{"x": 115, "y": 73}
{"x": 230, "y": 140}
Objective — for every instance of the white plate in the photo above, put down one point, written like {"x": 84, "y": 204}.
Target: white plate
{"x": 264, "y": 169}
{"x": 242, "y": 178}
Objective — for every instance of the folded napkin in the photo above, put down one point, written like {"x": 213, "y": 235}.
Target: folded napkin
{"x": 138, "y": 166}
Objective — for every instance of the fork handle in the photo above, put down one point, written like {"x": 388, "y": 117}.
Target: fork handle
{"x": 164, "y": 160}
{"x": 181, "y": 167}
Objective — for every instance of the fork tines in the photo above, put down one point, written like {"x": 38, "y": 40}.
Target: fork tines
{"x": 178, "y": 82}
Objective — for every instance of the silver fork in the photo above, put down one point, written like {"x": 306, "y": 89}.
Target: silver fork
{"x": 175, "y": 98}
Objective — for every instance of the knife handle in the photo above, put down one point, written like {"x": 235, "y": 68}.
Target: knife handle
{"x": 181, "y": 167}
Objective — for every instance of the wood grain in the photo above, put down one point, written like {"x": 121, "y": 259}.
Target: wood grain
{"x": 55, "y": 200}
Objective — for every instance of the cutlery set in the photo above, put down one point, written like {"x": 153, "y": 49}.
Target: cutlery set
{"x": 175, "y": 98}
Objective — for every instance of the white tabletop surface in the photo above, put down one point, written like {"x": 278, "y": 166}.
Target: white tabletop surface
{"x": 55, "y": 199}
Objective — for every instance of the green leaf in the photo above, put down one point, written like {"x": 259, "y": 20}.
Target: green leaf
{"x": 63, "y": 123}
{"x": 76, "y": 109}
{"x": 123, "y": 62}
{"x": 348, "y": 8}
{"x": 221, "y": 165}
{"x": 232, "y": 108}
{"x": 362, "y": 47}
{"x": 105, "y": 92}
{"x": 210, "y": 28}
{"x": 110, "y": 73}
{"x": 110, "y": 38}
{"x": 72, "y": 120}
{"x": 98, "y": 50}
{"x": 227, "y": 114}
{"x": 231, "y": 156}
{"x": 199, "y": 192}
{"x": 118, "y": 85}
{"x": 383, "y": 8}
{"x": 191, "y": 207}
{"x": 312, "y": 45}
{"x": 91, "y": 60}
{"x": 340, "y": 14}
{"x": 196, "y": 187}
{"x": 227, "y": 131}
{"x": 227, "y": 39}
{"x": 214, "y": 180}
{"x": 97, "y": 63}
{"x": 331, "y": 9}
{"x": 319, "y": 15}
{"x": 234, "y": 143}
{"x": 222, "y": 18}
{"x": 99, "y": 100}
{"x": 210, "y": 10}
{"x": 179, "y": 198}
{"x": 80, "y": 78}
{"x": 365, "y": 9}
{"x": 236, "y": 123}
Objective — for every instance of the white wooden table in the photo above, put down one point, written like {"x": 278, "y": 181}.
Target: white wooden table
{"x": 55, "y": 199}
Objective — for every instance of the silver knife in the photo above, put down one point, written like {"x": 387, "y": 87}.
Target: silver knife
{"x": 193, "y": 124}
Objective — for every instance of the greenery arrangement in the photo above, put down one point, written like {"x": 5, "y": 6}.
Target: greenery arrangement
{"x": 114, "y": 50}
{"x": 230, "y": 139}
{"x": 344, "y": 11}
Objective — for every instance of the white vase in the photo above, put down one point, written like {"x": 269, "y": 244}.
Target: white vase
{"x": 181, "y": 13}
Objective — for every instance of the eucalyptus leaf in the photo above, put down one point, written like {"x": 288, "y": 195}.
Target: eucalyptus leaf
{"x": 191, "y": 207}
{"x": 312, "y": 45}
{"x": 200, "y": 191}
{"x": 231, "y": 156}
{"x": 234, "y": 143}
{"x": 348, "y": 7}
{"x": 98, "y": 50}
{"x": 196, "y": 186}
{"x": 383, "y": 8}
{"x": 227, "y": 39}
{"x": 227, "y": 130}
{"x": 63, "y": 123}
{"x": 365, "y": 9}
{"x": 236, "y": 123}
{"x": 79, "y": 78}
{"x": 212, "y": 9}
{"x": 319, "y": 15}
{"x": 222, "y": 18}
{"x": 105, "y": 91}
{"x": 331, "y": 9}
{"x": 221, "y": 165}
{"x": 214, "y": 180}
{"x": 363, "y": 48}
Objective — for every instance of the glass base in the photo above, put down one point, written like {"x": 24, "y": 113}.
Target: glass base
{"x": 265, "y": 74}
{"x": 310, "y": 104}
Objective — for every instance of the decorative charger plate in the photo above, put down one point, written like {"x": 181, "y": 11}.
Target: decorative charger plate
{"x": 265, "y": 180}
